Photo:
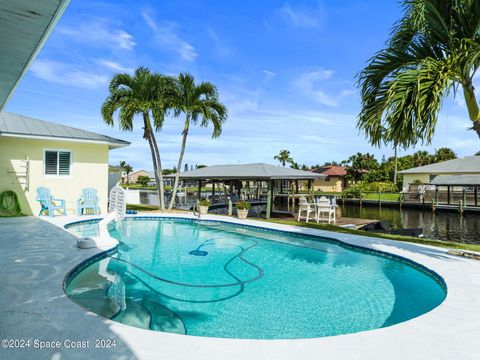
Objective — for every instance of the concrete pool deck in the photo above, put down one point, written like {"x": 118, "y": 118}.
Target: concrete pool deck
{"x": 36, "y": 255}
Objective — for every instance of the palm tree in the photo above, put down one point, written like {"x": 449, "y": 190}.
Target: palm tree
{"x": 422, "y": 158}
{"x": 141, "y": 94}
{"x": 198, "y": 103}
{"x": 284, "y": 157}
{"x": 128, "y": 169}
{"x": 444, "y": 154}
{"x": 434, "y": 48}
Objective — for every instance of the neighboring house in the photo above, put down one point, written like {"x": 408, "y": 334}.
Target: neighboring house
{"x": 36, "y": 153}
{"x": 335, "y": 180}
{"x": 133, "y": 176}
{"x": 469, "y": 165}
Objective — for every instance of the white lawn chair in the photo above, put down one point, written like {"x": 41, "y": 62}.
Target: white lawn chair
{"x": 325, "y": 210}
{"x": 305, "y": 207}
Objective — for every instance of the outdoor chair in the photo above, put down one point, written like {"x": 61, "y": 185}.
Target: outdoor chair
{"x": 306, "y": 208}
{"x": 324, "y": 207}
{"x": 88, "y": 200}
{"x": 49, "y": 203}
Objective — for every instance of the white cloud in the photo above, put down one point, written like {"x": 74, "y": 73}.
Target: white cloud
{"x": 269, "y": 75}
{"x": 97, "y": 32}
{"x": 61, "y": 73}
{"x": 166, "y": 35}
{"x": 301, "y": 17}
{"x": 311, "y": 84}
{"x": 113, "y": 65}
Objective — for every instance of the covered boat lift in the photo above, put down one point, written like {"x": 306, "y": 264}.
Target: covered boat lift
{"x": 460, "y": 189}
{"x": 280, "y": 181}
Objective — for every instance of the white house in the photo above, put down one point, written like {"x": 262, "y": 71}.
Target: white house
{"x": 469, "y": 165}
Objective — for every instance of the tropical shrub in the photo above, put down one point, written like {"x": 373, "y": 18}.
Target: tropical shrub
{"x": 143, "y": 180}
{"x": 242, "y": 205}
{"x": 204, "y": 202}
{"x": 353, "y": 192}
{"x": 379, "y": 186}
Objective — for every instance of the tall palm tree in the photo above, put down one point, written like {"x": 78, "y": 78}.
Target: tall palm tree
{"x": 433, "y": 49}
{"x": 141, "y": 94}
{"x": 199, "y": 103}
{"x": 283, "y": 157}
{"x": 128, "y": 169}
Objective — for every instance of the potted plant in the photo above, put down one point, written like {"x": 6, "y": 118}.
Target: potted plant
{"x": 242, "y": 209}
{"x": 203, "y": 205}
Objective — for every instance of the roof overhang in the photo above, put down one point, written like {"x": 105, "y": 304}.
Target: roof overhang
{"x": 26, "y": 25}
{"x": 111, "y": 145}
{"x": 456, "y": 180}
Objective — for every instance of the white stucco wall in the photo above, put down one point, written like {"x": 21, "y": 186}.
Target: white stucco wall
{"x": 89, "y": 168}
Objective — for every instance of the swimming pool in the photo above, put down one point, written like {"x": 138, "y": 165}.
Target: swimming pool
{"x": 216, "y": 279}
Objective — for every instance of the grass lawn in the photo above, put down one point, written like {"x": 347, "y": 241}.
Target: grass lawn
{"x": 142, "y": 207}
{"x": 329, "y": 227}
{"x": 383, "y": 196}
{"x": 367, "y": 196}
{"x": 138, "y": 186}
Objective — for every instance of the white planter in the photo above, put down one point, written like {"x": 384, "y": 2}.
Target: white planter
{"x": 242, "y": 214}
{"x": 203, "y": 210}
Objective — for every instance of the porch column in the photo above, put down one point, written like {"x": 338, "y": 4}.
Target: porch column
{"x": 269, "y": 199}
{"x": 475, "y": 191}
{"x": 448, "y": 195}
{"x": 199, "y": 195}
{"x": 213, "y": 188}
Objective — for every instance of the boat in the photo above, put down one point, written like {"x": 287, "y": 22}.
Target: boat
{"x": 383, "y": 227}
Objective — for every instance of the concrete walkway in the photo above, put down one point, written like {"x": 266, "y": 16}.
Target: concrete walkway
{"x": 36, "y": 255}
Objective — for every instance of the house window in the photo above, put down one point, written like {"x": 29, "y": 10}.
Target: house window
{"x": 327, "y": 179}
{"x": 57, "y": 162}
{"x": 431, "y": 177}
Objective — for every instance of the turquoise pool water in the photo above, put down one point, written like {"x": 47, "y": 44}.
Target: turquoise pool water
{"x": 217, "y": 279}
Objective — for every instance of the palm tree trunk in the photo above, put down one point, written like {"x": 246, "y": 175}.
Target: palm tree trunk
{"x": 396, "y": 166}
{"x": 157, "y": 165}
{"x": 180, "y": 160}
{"x": 472, "y": 106}
{"x": 159, "y": 173}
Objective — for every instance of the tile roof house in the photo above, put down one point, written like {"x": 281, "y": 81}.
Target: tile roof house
{"x": 335, "y": 178}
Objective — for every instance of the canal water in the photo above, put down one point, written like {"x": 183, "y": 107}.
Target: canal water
{"x": 447, "y": 226}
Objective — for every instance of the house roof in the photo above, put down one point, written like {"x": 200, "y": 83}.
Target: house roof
{"x": 259, "y": 171}
{"x": 14, "y": 125}
{"x": 331, "y": 170}
{"x": 149, "y": 173}
{"x": 26, "y": 25}
{"x": 456, "y": 180}
{"x": 468, "y": 164}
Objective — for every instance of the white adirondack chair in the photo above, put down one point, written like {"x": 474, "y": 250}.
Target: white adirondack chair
{"x": 325, "y": 210}
{"x": 305, "y": 209}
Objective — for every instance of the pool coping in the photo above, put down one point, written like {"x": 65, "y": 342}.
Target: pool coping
{"x": 449, "y": 331}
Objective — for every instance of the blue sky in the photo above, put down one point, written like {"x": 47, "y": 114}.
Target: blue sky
{"x": 285, "y": 70}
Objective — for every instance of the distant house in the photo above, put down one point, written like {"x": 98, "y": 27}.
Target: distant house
{"x": 133, "y": 176}
{"x": 335, "y": 180}
{"x": 456, "y": 168}
{"x": 36, "y": 153}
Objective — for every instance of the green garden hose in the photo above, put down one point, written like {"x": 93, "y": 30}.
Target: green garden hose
{"x": 9, "y": 204}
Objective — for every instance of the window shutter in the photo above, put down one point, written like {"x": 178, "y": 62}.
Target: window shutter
{"x": 64, "y": 163}
{"x": 51, "y": 158}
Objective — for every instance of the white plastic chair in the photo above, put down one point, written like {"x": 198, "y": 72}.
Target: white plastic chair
{"x": 305, "y": 207}
{"x": 324, "y": 207}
